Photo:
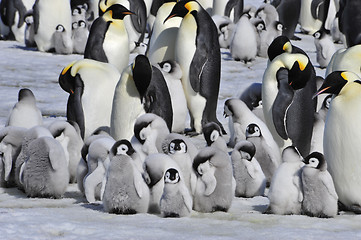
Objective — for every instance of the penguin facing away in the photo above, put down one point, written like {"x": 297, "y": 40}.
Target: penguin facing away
{"x": 319, "y": 194}
{"x": 200, "y": 62}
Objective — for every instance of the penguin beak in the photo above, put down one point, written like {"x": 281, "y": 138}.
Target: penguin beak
{"x": 320, "y": 91}
{"x": 129, "y": 13}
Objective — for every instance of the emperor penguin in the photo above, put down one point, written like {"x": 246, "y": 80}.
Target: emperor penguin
{"x": 136, "y": 24}
{"x": 79, "y": 36}
{"x": 311, "y": 14}
{"x": 172, "y": 74}
{"x": 125, "y": 189}
{"x": 25, "y": 113}
{"x": 214, "y": 191}
{"x": 10, "y": 145}
{"x": 244, "y": 41}
{"x": 156, "y": 166}
{"x": 288, "y": 83}
{"x": 176, "y": 200}
{"x": 182, "y": 151}
{"x": 267, "y": 152}
{"x": 285, "y": 193}
{"x": 319, "y": 194}
{"x": 46, "y": 22}
{"x": 213, "y": 135}
{"x": 63, "y": 43}
{"x": 161, "y": 46}
{"x": 236, "y": 7}
{"x": 45, "y": 172}
{"x": 98, "y": 159}
{"x": 250, "y": 179}
{"x": 349, "y": 21}
{"x": 288, "y": 13}
{"x": 108, "y": 38}
{"x": 198, "y": 53}
{"x": 340, "y": 146}
{"x": 219, "y": 7}
{"x": 225, "y": 28}
{"x": 29, "y": 135}
{"x": 345, "y": 59}
{"x": 239, "y": 118}
{"x": 68, "y": 136}
{"x": 91, "y": 86}
{"x": 324, "y": 46}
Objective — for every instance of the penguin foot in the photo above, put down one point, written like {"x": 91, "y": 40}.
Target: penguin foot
{"x": 295, "y": 38}
{"x": 355, "y": 208}
{"x": 191, "y": 132}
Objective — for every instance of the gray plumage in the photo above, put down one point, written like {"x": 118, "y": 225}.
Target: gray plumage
{"x": 45, "y": 172}
{"x": 319, "y": 194}
{"x": 79, "y": 36}
{"x": 62, "y": 40}
{"x": 213, "y": 135}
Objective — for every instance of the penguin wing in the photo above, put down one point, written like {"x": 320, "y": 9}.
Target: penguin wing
{"x": 7, "y": 159}
{"x": 139, "y": 19}
{"x": 138, "y": 182}
{"x": 328, "y": 183}
{"x": 251, "y": 170}
{"x": 197, "y": 66}
{"x": 297, "y": 183}
{"x": 282, "y": 103}
{"x": 19, "y": 5}
{"x": 36, "y": 17}
{"x": 92, "y": 180}
{"x": 187, "y": 198}
{"x": 323, "y": 51}
{"x": 94, "y": 46}
{"x": 317, "y": 9}
{"x": 21, "y": 173}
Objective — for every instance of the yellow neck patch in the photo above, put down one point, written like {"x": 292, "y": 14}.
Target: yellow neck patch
{"x": 192, "y": 6}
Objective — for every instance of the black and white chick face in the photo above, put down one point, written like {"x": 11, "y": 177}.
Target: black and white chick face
{"x": 253, "y": 130}
{"x": 60, "y": 28}
{"x": 315, "y": 160}
{"x": 171, "y": 176}
{"x": 177, "y": 146}
{"x": 122, "y": 147}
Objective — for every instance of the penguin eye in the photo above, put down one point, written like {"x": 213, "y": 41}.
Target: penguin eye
{"x": 167, "y": 175}
{"x": 200, "y": 170}
{"x": 75, "y": 11}
{"x": 81, "y": 24}
{"x": 260, "y": 27}
{"x": 167, "y": 67}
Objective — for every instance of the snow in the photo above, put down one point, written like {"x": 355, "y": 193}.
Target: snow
{"x": 73, "y": 218}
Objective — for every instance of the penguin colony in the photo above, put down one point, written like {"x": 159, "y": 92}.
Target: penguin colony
{"x": 125, "y": 141}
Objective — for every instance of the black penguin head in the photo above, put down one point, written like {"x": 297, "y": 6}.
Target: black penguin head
{"x": 138, "y": 127}
{"x": 316, "y": 160}
{"x": 253, "y": 130}
{"x": 171, "y": 176}
{"x": 142, "y": 74}
{"x": 318, "y": 35}
{"x": 25, "y": 93}
{"x": 333, "y": 83}
{"x": 260, "y": 25}
{"x": 82, "y": 24}
{"x": 246, "y": 149}
{"x": 123, "y": 147}
{"x": 60, "y": 28}
{"x": 182, "y": 8}
{"x": 118, "y": 11}
{"x": 211, "y": 132}
{"x": 69, "y": 82}
{"x": 177, "y": 146}
{"x": 299, "y": 74}
{"x": 167, "y": 66}
{"x": 279, "y": 45}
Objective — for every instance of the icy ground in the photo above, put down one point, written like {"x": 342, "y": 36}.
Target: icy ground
{"x": 72, "y": 218}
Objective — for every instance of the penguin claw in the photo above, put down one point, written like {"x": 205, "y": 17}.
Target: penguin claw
{"x": 191, "y": 132}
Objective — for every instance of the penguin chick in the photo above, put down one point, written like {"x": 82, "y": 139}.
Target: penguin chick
{"x": 285, "y": 192}
{"x": 45, "y": 172}
{"x": 319, "y": 194}
{"x": 25, "y": 113}
{"x": 250, "y": 179}
{"x": 176, "y": 200}
{"x": 214, "y": 191}
{"x": 213, "y": 136}
{"x": 325, "y": 48}
{"x": 125, "y": 190}
{"x": 267, "y": 153}
{"x": 62, "y": 40}
{"x": 79, "y": 36}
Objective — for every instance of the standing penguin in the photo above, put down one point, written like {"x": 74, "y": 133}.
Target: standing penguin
{"x": 63, "y": 44}
{"x": 346, "y": 59}
{"x": 341, "y": 148}
{"x": 125, "y": 190}
{"x": 45, "y": 22}
{"x": 288, "y": 12}
{"x": 285, "y": 192}
{"x": 267, "y": 152}
{"x": 324, "y": 46}
{"x": 350, "y": 21}
{"x": 90, "y": 85}
{"x": 25, "y": 113}
{"x": 214, "y": 191}
{"x": 213, "y": 135}
{"x": 319, "y": 195}
{"x": 79, "y": 36}
{"x": 176, "y": 200}
{"x": 45, "y": 171}
{"x": 250, "y": 179}
{"x": 198, "y": 54}
{"x": 108, "y": 38}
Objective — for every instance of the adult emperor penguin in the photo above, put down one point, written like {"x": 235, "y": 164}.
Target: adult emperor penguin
{"x": 197, "y": 52}
{"x": 285, "y": 193}
{"x": 340, "y": 146}
{"x": 176, "y": 200}
{"x": 250, "y": 179}
{"x": 289, "y": 82}
{"x": 125, "y": 189}
{"x": 267, "y": 152}
{"x": 108, "y": 38}
{"x": 324, "y": 46}
{"x": 161, "y": 45}
{"x": 235, "y": 6}
{"x": 214, "y": 191}
{"x": 288, "y": 12}
{"x": 136, "y": 24}
{"x": 10, "y": 145}
{"x": 91, "y": 86}
{"x": 45, "y": 21}
{"x": 25, "y": 113}
{"x": 319, "y": 194}
{"x": 346, "y": 59}
{"x": 311, "y": 14}
{"x": 45, "y": 172}
{"x": 350, "y": 21}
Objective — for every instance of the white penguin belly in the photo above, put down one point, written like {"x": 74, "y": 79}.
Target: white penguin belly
{"x": 307, "y": 22}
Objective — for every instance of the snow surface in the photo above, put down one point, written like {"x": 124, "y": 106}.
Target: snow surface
{"x": 73, "y": 218}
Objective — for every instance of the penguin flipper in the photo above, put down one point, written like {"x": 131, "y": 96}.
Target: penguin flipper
{"x": 138, "y": 182}
{"x": 94, "y": 46}
{"x": 7, "y": 160}
{"x": 282, "y": 102}
{"x": 139, "y": 20}
{"x": 21, "y": 173}
{"x": 251, "y": 171}
{"x": 210, "y": 182}
{"x": 297, "y": 183}
{"x": 92, "y": 180}
{"x": 328, "y": 183}
{"x": 19, "y": 5}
